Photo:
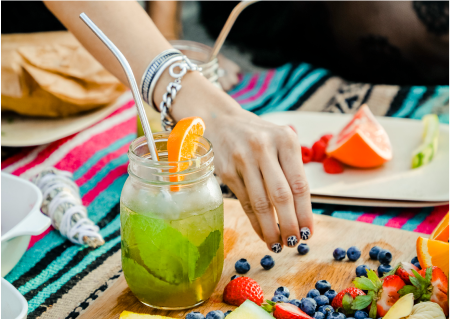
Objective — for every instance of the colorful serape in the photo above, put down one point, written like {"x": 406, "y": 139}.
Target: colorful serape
{"x": 60, "y": 280}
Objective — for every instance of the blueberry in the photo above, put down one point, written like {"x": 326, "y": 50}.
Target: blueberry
{"x": 339, "y": 254}
{"x": 195, "y": 315}
{"x": 361, "y": 270}
{"x": 242, "y": 266}
{"x": 322, "y": 300}
{"x": 326, "y": 309}
{"x": 361, "y": 314}
{"x": 295, "y": 302}
{"x": 303, "y": 248}
{"x": 353, "y": 253}
{"x": 313, "y": 293}
{"x": 385, "y": 256}
{"x": 323, "y": 286}
{"x": 227, "y": 313}
{"x": 280, "y": 298}
{"x": 330, "y": 294}
{"x": 319, "y": 315}
{"x": 336, "y": 315}
{"x": 414, "y": 260}
{"x": 283, "y": 291}
{"x": 216, "y": 314}
{"x": 373, "y": 253}
{"x": 308, "y": 306}
{"x": 383, "y": 268}
{"x": 267, "y": 262}
{"x": 234, "y": 277}
{"x": 417, "y": 264}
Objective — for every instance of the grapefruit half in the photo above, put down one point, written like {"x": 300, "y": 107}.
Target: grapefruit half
{"x": 363, "y": 143}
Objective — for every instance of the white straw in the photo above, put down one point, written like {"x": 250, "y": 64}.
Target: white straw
{"x": 131, "y": 80}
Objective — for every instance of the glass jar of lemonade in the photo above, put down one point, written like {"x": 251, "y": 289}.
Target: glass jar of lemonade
{"x": 171, "y": 226}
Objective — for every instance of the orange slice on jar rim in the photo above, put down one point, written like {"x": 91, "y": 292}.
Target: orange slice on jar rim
{"x": 182, "y": 144}
{"x": 441, "y": 230}
{"x": 433, "y": 253}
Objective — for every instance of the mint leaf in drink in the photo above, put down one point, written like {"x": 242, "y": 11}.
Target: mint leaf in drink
{"x": 207, "y": 251}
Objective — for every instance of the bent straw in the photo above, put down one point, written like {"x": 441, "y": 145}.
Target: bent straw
{"x": 227, "y": 27}
{"x": 131, "y": 80}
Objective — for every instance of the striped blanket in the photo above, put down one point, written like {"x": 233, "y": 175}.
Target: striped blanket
{"x": 60, "y": 280}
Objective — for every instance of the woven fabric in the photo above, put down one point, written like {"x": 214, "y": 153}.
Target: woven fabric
{"x": 60, "y": 279}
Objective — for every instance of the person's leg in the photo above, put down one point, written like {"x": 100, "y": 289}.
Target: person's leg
{"x": 166, "y": 16}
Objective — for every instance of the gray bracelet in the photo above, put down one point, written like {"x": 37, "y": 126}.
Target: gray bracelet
{"x": 148, "y": 78}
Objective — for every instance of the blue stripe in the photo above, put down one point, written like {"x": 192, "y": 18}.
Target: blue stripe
{"x": 414, "y": 222}
{"x": 259, "y": 83}
{"x": 348, "y": 215}
{"x": 296, "y": 93}
{"x": 275, "y": 85}
{"x": 411, "y": 101}
{"x": 241, "y": 85}
{"x": 102, "y": 173}
{"x": 96, "y": 157}
{"x": 318, "y": 211}
{"x": 59, "y": 263}
{"x": 382, "y": 219}
{"x": 439, "y": 98}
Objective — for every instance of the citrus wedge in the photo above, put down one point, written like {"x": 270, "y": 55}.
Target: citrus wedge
{"x": 363, "y": 143}
{"x": 432, "y": 253}
{"x": 441, "y": 231}
{"x": 426, "y": 151}
{"x": 132, "y": 315}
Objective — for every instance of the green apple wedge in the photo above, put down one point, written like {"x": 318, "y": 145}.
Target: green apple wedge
{"x": 428, "y": 149}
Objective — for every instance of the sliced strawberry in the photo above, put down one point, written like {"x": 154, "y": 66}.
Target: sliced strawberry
{"x": 326, "y": 138}
{"x": 404, "y": 271}
{"x": 332, "y": 166}
{"x": 293, "y": 128}
{"x": 241, "y": 289}
{"x": 439, "y": 282}
{"x": 285, "y": 310}
{"x": 354, "y": 292}
{"x": 307, "y": 154}
{"x": 388, "y": 294}
{"x": 319, "y": 148}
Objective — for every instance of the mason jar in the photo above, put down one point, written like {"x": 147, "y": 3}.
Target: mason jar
{"x": 171, "y": 226}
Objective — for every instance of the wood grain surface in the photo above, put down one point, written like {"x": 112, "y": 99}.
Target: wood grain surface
{"x": 298, "y": 273}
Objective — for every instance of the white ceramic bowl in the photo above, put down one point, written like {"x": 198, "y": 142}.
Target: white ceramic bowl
{"x": 14, "y": 305}
{"x": 21, "y": 218}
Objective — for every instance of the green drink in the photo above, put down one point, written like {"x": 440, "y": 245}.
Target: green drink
{"x": 172, "y": 241}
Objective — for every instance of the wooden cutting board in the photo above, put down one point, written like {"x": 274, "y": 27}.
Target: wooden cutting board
{"x": 298, "y": 273}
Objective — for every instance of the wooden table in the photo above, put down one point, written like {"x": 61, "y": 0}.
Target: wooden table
{"x": 298, "y": 273}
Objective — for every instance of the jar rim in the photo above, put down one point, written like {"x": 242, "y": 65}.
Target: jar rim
{"x": 195, "y": 46}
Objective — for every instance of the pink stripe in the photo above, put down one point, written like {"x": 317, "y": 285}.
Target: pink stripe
{"x": 368, "y": 217}
{"x": 102, "y": 185}
{"x": 9, "y": 161}
{"x": 250, "y": 86}
{"x": 80, "y": 154}
{"x": 402, "y": 218}
{"x": 43, "y": 155}
{"x": 431, "y": 221}
{"x": 35, "y": 239}
{"x": 127, "y": 105}
{"x": 100, "y": 164}
{"x": 262, "y": 89}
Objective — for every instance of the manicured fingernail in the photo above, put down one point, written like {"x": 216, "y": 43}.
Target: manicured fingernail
{"x": 276, "y": 247}
{"x": 292, "y": 241}
{"x": 305, "y": 233}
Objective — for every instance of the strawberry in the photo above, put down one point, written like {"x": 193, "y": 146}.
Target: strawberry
{"x": 404, "y": 271}
{"x": 319, "y": 148}
{"x": 241, "y": 289}
{"x": 326, "y": 138}
{"x": 429, "y": 284}
{"x": 285, "y": 310}
{"x": 332, "y": 166}
{"x": 382, "y": 293}
{"x": 354, "y": 292}
{"x": 307, "y": 154}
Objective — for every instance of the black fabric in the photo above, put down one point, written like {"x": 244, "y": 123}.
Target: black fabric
{"x": 27, "y": 17}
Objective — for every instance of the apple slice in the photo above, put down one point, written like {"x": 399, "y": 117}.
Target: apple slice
{"x": 402, "y": 308}
{"x": 249, "y": 310}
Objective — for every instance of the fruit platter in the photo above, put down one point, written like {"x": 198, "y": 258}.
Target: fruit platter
{"x": 346, "y": 270}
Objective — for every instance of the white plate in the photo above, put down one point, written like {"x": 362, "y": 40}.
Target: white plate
{"x": 394, "y": 180}
{"x": 21, "y": 131}
{"x": 21, "y": 218}
{"x": 14, "y": 305}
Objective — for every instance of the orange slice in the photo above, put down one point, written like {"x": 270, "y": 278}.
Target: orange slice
{"x": 183, "y": 142}
{"x": 363, "y": 143}
{"x": 432, "y": 253}
{"x": 441, "y": 231}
